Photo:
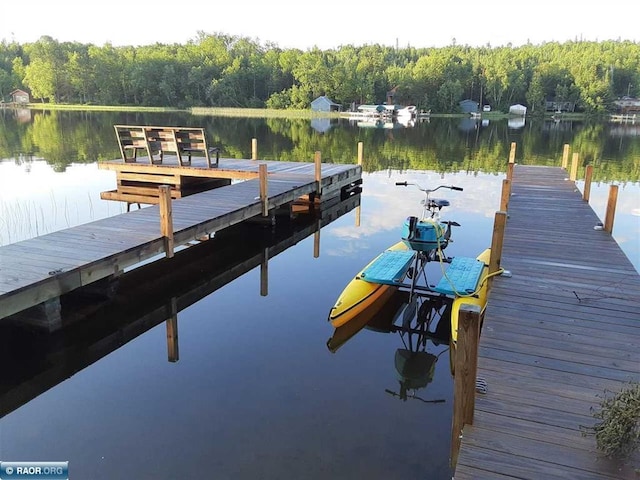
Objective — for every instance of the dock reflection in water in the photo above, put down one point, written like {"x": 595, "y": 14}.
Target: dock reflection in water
{"x": 100, "y": 322}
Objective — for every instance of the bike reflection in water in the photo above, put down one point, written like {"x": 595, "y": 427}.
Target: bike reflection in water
{"x": 419, "y": 320}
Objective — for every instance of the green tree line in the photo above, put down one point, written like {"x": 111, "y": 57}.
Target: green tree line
{"x": 218, "y": 70}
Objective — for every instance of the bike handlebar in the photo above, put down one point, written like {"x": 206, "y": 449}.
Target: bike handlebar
{"x": 451, "y": 187}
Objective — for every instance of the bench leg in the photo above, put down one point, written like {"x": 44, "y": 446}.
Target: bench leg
{"x": 217, "y": 152}
{"x": 133, "y": 156}
{"x": 160, "y": 154}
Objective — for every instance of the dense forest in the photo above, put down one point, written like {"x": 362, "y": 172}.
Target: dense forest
{"x": 228, "y": 71}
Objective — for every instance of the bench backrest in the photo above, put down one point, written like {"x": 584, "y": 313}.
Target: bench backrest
{"x": 161, "y": 139}
{"x": 155, "y": 140}
{"x": 130, "y": 138}
{"x": 191, "y": 139}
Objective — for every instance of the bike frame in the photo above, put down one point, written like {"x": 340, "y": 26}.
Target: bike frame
{"x": 431, "y": 214}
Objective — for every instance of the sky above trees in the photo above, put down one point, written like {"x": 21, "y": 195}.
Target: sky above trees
{"x": 327, "y": 24}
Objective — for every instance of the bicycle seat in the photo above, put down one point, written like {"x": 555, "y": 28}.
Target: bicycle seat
{"x": 440, "y": 202}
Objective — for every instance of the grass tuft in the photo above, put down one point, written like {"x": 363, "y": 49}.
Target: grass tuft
{"x": 617, "y": 430}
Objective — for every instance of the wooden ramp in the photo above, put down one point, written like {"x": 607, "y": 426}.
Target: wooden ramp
{"x": 39, "y": 269}
{"x": 561, "y": 331}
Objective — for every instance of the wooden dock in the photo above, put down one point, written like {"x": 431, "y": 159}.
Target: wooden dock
{"x": 561, "y": 331}
{"x": 45, "y": 267}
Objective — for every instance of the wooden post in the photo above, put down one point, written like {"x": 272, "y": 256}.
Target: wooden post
{"x": 264, "y": 273}
{"x": 506, "y": 194}
{"x": 166, "y": 218}
{"x": 264, "y": 197}
{"x": 512, "y": 161}
{"x": 497, "y": 240}
{"x": 172, "y": 332}
{"x": 466, "y": 369}
{"x": 360, "y": 153}
{"x": 254, "y": 149}
{"x": 512, "y": 153}
{"x": 611, "y": 208}
{"x": 588, "y": 174}
{"x": 565, "y": 155}
{"x": 317, "y": 160}
{"x": 574, "y": 166}
{"x": 358, "y": 215}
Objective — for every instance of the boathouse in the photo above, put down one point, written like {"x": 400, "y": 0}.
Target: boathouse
{"x": 469, "y": 106}
{"x": 518, "y": 109}
{"x": 325, "y": 104}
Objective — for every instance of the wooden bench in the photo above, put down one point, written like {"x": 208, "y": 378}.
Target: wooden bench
{"x": 156, "y": 141}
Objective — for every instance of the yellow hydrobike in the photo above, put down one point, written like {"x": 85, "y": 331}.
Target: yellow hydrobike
{"x": 403, "y": 267}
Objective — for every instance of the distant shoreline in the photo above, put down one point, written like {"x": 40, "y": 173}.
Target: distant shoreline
{"x": 275, "y": 113}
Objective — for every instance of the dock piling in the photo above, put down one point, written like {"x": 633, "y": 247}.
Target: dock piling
{"x": 166, "y": 219}
{"x": 497, "y": 240}
{"x": 317, "y": 160}
{"x": 565, "y": 155}
{"x": 611, "y": 208}
{"x": 360, "y": 153}
{"x": 506, "y": 193}
{"x": 512, "y": 161}
{"x": 264, "y": 197}
{"x": 512, "y": 153}
{"x": 254, "y": 149}
{"x": 466, "y": 367}
{"x": 574, "y": 167}
{"x": 588, "y": 174}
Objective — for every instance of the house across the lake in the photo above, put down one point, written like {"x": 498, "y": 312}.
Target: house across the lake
{"x": 325, "y": 104}
{"x": 627, "y": 105}
{"x": 558, "y": 107}
{"x": 19, "y": 96}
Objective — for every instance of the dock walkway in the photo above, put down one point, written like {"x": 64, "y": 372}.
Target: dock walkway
{"x": 561, "y": 331}
{"x": 39, "y": 269}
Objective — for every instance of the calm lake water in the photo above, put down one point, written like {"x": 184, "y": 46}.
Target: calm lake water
{"x": 256, "y": 393}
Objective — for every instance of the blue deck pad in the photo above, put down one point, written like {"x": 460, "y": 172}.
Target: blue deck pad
{"x": 389, "y": 268}
{"x": 462, "y": 276}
